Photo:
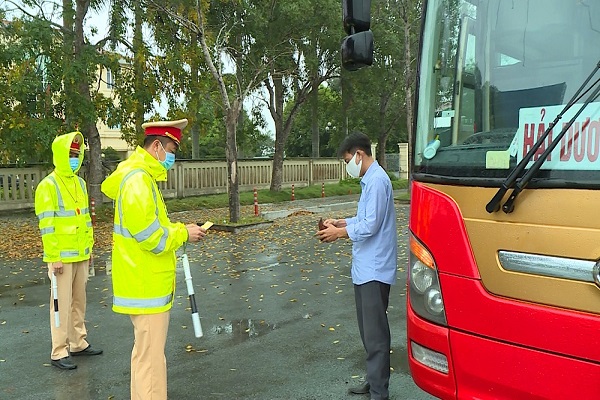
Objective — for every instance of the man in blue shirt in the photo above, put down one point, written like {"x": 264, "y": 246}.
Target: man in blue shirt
{"x": 374, "y": 258}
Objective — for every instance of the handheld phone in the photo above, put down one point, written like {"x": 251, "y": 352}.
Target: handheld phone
{"x": 321, "y": 224}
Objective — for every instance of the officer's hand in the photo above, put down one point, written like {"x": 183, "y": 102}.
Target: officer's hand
{"x": 195, "y": 233}
{"x": 56, "y": 267}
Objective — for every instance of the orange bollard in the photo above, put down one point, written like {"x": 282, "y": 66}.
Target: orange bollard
{"x": 255, "y": 203}
{"x": 323, "y": 190}
{"x": 293, "y": 197}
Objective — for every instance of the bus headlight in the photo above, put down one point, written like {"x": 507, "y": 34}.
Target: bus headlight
{"x": 434, "y": 302}
{"x": 425, "y": 292}
{"x": 421, "y": 276}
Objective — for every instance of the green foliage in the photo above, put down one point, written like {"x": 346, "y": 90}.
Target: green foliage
{"x": 392, "y": 176}
{"x": 111, "y": 155}
{"x": 299, "y": 144}
{"x": 403, "y": 197}
{"x": 30, "y": 118}
{"x": 400, "y": 184}
{"x": 350, "y": 182}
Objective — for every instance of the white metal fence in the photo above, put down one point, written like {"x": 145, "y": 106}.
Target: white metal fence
{"x": 187, "y": 178}
{"x": 196, "y": 178}
{"x": 17, "y": 187}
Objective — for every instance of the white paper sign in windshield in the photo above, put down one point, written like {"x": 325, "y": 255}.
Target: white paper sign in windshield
{"x": 579, "y": 148}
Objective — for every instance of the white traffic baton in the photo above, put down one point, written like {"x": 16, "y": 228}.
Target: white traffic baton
{"x": 190, "y": 287}
{"x": 192, "y": 296}
{"x": 55, "y": 297}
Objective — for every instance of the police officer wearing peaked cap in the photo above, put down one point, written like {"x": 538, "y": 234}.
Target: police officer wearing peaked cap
{"x": 143, "y": 255}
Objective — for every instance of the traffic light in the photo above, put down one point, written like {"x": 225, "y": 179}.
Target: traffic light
{"x": 357, "y": 48}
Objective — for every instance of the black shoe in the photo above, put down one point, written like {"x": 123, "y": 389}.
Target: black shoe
{"x": 64, "y": 363}
{"x": 362, "y": 389}
{"x": 88, "y": 351}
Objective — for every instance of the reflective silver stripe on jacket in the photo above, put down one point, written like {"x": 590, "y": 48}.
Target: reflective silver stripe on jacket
{"x": 45, "y": 231}
{"x": 160, "y": 247}
{"x": 145, "y": 234}
{"x": 142, "y": 303}
{"x": 85, "y": 210}
{"x": 45, "y": 214}
{"x": 69, "y": 253}
{"x": 149, "y": 231}
{"x": 74, "y": 253}
{"x": 61, "y": 203}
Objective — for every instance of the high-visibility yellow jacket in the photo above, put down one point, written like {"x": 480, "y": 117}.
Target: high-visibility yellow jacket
{"x": 61, "y": 205}
{"x": 144, "y": 239}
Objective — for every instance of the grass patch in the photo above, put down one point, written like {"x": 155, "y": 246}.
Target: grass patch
{"x": 403, "y": 197}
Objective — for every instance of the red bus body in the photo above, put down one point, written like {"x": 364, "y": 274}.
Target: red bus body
{"x": 497, "y": 348}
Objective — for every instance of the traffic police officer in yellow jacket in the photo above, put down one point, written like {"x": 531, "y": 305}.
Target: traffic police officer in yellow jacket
{"x": 61, "y": 205}
{"x": 143, "y": 255}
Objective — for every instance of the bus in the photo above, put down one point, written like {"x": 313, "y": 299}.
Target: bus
{"x": 504, "y": 229}
{"x": 503, "y": 277}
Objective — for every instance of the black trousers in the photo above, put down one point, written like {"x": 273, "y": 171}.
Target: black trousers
{"x": 372, "y": 300}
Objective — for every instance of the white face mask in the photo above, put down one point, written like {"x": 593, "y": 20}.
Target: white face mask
{"x": 352, "y": 168}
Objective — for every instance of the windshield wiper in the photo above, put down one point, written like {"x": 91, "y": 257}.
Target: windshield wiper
{"x": 508, "y": 207}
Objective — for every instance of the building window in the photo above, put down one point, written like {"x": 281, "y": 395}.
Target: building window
{"x": 109, "y": 79}
{"x": 41, "y": 63}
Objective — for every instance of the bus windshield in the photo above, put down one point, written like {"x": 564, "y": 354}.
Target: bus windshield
{"x": 493, "y": 75}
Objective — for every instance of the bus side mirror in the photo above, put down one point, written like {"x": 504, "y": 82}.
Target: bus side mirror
{"x": 357, "y": 48}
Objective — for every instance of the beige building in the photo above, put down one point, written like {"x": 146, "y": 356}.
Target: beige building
{"x": 110, "y": 136}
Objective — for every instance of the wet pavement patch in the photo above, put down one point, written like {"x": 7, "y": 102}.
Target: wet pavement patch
{"x": 244, "y": 329}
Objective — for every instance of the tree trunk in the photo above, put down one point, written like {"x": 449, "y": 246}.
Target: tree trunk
{"x": 139, "y": 68}
{"x": 195, "y": 132}
{"x": 315, "y": 119}
{"x": 195, "y": 128}
{"x": 382, "y": 135}
{"x": 88, "y": 117}
{"x": 96, "y": 174}
{"x": 68, "y": 78}
{"x": 276, "y": 109}
{"x": 346, "y": 99}
{"x": 232, "y": 165}
{"x": 277, "y": 176}
{"x": 232, "y": 111}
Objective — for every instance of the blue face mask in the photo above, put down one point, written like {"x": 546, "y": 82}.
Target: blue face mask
{"x": 74, "y": 163}
{"x": 169, "y": 159}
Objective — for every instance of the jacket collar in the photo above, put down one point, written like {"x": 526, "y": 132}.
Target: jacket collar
{"x": 150, "y": 164}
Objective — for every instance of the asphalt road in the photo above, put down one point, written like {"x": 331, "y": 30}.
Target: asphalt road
{"x": 277, "y": 310}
